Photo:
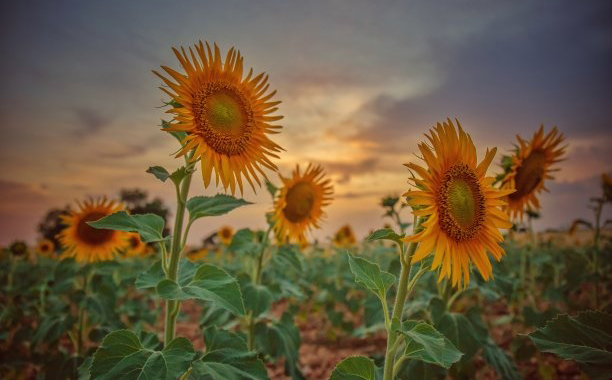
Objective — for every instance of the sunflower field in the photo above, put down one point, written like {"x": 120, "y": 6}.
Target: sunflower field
{"x": 453, "y": 283}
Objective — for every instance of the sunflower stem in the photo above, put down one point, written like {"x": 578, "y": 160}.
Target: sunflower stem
{"x": 403, "y": 289}
{"x": 173, "y": 306}
{"x": 256, "y": 279}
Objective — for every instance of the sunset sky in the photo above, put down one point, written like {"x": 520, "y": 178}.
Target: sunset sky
{"x": 360, "y": 81}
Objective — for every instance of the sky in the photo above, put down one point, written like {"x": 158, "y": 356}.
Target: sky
{"x": 360, "y": 81}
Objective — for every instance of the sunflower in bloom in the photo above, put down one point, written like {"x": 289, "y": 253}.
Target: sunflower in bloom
{"x": 225, "y": 234}
{"x": 136, "y": 247}
{"x": 88, "y": 244}
{"x": 197, "y": 255}
{"x": 344, "y": 237}
{"x": 531, "y": 166}
{"x": 299, "y": 205}
{"x": 226, "y": 116}
{"x": 460, "y": 203}
{"x": 45, "y": 247}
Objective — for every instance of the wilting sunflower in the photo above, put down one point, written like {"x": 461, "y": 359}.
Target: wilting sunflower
{"x": 136, "y": 247}
{"x": 460, "y": 203}
{"x": 45, "y": 247}
{"x": 344, "y": 237}
{"x": 226, "y": 117}
{"x": 88, "y": 244}
{"x": 300, "y": 202}
{"x": 531, "y": 166}
{"x": 225, "y": 234}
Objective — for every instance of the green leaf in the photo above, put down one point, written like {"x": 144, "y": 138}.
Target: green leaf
{"x": 219, "y": 204}
{"x": 179, "y": 135}
{"x": 178, "y": 175}
{"x": 499, "y": 360}
{"x": 152, "y": 276}
{"x": 122, "y": 356}
{"x": 227, "y": 357}
{"x": 384, "y": 234}
{"x": 271, "y": 188}
{"x": 288, "y": 257}
{"x": 354, "y": 368}
{"x": 149, "y": 226}
{"x": 586, "y": 338}
{"x": 459, "y": 330}
{"x": 209, "y": 283}
{"x": 243, "y": 242}
{"x": 425, "y": 343}
{"x": 281, "y": 339}
{"x": 159, "y": 172}
{"x": 370, "y": 275}
{"x": 257, "y": 298}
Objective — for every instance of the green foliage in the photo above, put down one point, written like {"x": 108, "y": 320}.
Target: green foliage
{"x": 586, "y": 338}
{"x": 149, "y": 226}
{"x": 354, "y": 368}
{"x": 227, "y": 357}
{"x": 280, "y": 339}
{"x": 122, "y": 355}
{"x": 386, "y": 234}
{"x": 425, "y": 343}
{"x": 370, "y": 275}
{"x": 219, "y": 204}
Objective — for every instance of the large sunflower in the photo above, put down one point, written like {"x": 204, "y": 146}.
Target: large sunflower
{"x": 460, "y": 203}
{"x": 530, "y": 167}
{"x": 88, "y": 244}
{"x": 300, "y": 202}
{"x": 226, "y": 117}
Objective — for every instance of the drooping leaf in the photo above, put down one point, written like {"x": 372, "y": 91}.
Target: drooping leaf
{"x": 370, "y": 275}
{"x": 159, "y": 172}
{"x": 281, "y": 339}
{"x": 257, "y": 298}
{"x": 425, "y": 343}
{"x": 384, "y": 234}
{"x": 499, "y": 360}
{"x": 458, "y": 329}
{"x": 586, "y": 339}
{"x": 209, "y": 283}
{"x": 122, "y": 356}
{"x": 227, "y": 357}
{"x": 354, "y": 368}
{"x": 149, "y": 226}
{"x": 219, "y": 204}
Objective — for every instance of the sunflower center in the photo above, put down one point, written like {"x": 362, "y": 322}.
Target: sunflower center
{"x": 300, "y": 199}
{"x": 224, "y": 117}
{"x": 461, "y": 203}
{"x": 530, "y": 174}
{"x": 90, "y": 235}
{"x": 134, "y": 242}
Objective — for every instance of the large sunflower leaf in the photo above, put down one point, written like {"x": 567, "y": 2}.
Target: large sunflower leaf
{"x": 354, "y": 368}
{"x": 219, "y": 204}
{"x": 149, "y": 226}
{"x": 427, "y": 344}
{"x": 370, "y": 275}
{"x": 209, "y": 283}
{"x": 122, "y": 356}
{"x": 586, "y": 338}
{"x": 227, "y": 357}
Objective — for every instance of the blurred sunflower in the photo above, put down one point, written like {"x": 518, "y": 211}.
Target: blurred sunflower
{"x": 45, "y": 247}
{"x": 344, "y": 237}
{"x": 18, "y": 248}
{"x": 530, "y": 167}
{"x": 136, "y": 247}
{"x": 606, "y": 185}
{"x": 299, "y": 205}
{"x": 460, "y": 203}
{"x": 225, "y": 234}
{"x": 226, "y": 117}
{"x": 197, "y": 255}
{"x": 88, "y": 244}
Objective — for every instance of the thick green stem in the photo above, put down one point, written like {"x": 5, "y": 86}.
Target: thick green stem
{"x": 256, "y": 279}
{"x": 398, "y": 308}
{"x": 173, "y": 306}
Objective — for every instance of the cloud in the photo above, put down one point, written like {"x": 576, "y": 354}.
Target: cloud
{"x": 89, "y": 122}
{"x": 346, "y": 169}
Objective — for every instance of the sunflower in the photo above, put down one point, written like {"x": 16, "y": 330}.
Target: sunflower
{"x": 197, "y": 255}
{"x": 225, "y": 234}
{"x": 299, "y": 205}
{"x": 45, "y": 247}
{"x": 88, "y": 244}
{"x": 460, "y": 203}
{"x": 136, "y": 247}
{"x": 344, "y": 237}
{"x": 606, "y": 185}
{"x": 530, "y": 167}
{"x": 226, "y": 117}
{"x": 18, "y": 248}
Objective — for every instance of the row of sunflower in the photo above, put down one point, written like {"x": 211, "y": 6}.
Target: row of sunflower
{"x": 223, "y": 120}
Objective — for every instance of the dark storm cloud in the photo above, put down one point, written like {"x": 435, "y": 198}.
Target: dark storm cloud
{"x": 547, "y": 65}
